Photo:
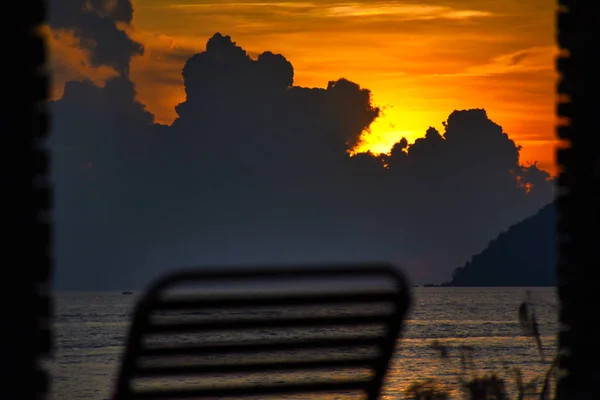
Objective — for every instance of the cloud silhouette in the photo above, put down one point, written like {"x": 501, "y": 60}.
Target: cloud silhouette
{"x": 463, "y": 185}
{"x": 255, "y": 169}
{"x": 98, "y": 141}
{"x": 69, "y": 61}
{"x": 95, "y": 23}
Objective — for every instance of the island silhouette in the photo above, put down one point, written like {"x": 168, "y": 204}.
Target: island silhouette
{"x": 524, "y": 255}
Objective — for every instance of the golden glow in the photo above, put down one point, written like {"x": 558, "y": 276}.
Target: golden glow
{"x": 421, "y": 61}
{"x": 68, "y": 61}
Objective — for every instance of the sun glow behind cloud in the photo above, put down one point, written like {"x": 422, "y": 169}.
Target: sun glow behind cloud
{"x": 421, "y": 60}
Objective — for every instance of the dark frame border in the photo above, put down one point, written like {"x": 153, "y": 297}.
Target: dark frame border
{"x": 578, "y": 198}
{"x": 26, "y": 198}
{"x": 26, "y": 194}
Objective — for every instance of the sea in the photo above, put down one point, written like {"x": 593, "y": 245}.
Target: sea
{"x": 90, "y": 330}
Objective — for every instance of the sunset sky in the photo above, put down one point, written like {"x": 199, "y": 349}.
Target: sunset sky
{"x": 420, "y": 59}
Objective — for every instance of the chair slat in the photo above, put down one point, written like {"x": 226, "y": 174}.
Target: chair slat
{"x": 198, "y": 393}
{"x": 228, "y": 348}
{"x": 144, "y": 372}
{"x": 299, "y": 322}
{"x": 265, "y": 274}
{"x": 237, "y": 301}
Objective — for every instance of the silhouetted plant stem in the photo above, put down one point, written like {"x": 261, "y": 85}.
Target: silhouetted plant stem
{"x": 491, "y": 387}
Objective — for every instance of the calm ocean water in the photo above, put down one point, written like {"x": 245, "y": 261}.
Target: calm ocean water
{"x": 90, "y": 330}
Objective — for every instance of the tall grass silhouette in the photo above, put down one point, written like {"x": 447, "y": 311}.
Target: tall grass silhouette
{"x": 475, "y": 385}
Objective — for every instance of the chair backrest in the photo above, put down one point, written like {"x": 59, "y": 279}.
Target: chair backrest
{"x": 305, "y": 331}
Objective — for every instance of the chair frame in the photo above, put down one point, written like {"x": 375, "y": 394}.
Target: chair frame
{"x": 151, "y": 301}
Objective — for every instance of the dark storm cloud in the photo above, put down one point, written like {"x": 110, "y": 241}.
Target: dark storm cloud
{"x": 94, "y": 22}
{"x": 463, "y": 185}
{"x": 256, "y": 169}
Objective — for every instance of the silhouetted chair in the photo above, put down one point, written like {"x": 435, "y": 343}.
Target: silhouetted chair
{"x": 328, "y": 329}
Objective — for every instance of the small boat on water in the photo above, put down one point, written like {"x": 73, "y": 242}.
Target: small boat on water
{"x": 127, "y": 292}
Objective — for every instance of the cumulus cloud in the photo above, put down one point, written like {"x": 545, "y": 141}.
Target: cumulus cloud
{"x": 97, "y": 131}
{"x": 95, "y": 24}
{"x": 91, "y": 43}
{"x": 69, "y": 61}
{"x": 256, "y": 169}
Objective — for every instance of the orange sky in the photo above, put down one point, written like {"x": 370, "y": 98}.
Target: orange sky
{"x": 421, "y": 59}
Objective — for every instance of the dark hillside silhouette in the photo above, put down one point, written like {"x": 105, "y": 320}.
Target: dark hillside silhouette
{"x": 525, "y": 255}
